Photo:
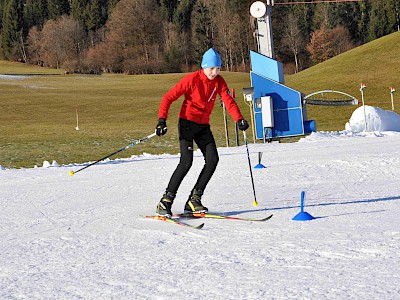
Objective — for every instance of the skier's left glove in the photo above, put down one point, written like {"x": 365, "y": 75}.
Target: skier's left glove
{"x": 161, "y": 127}
{"x": 243, "y": 125}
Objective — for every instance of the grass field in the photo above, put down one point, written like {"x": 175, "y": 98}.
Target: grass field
{"x": 38, "y": 116}
{"x": 38, "y": 113}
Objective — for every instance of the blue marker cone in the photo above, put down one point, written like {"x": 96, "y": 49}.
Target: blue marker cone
{"x": 302, "y": 215}
{"x": 259, "y": 165}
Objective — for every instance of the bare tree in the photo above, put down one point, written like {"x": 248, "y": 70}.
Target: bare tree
{"x": 62, "y": 43}
{"x": 320, "y": 45}
{"x": 340, "y": 40}
{"x": 135, "y": 30}
{"x": 33, "y": 45}
{"x": 293, "y": 37}
{"x": 327, "y": 43}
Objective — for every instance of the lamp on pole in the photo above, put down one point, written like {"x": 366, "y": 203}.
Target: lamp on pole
{"x": 392, "y": 90}
{"x": 363, "y": 86}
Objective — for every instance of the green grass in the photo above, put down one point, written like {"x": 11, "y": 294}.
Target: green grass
{"x": 38, "y": 117}
{"x": 38, "y": 113}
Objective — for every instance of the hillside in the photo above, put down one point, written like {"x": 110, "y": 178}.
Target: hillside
{"x": 375, "y": 64}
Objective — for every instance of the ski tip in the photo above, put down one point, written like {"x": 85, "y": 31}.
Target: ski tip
{"x": 255, "y": 203}
{"x": 71, "y": 173}
{"x": 199, "y": 227}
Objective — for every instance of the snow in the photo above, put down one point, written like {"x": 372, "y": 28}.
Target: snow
{"x": 84, "y": 236}
{"x": 12, "y": 77}
{"x": 377, "y": 120}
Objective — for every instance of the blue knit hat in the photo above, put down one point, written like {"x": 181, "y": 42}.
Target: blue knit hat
{"x": 211, "y": 59}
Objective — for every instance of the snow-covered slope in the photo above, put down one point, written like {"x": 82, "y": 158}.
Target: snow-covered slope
{"x": 84, "y": 236}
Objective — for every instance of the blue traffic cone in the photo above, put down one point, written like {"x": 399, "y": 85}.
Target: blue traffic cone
{"x": 302, "y": 215}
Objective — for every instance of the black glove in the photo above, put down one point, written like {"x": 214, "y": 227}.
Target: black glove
{"x": 161, "y": 127}
{"x": 243, "y": 125}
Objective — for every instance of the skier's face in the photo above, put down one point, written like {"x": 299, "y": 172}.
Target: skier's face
{"x": 211, "y": 73}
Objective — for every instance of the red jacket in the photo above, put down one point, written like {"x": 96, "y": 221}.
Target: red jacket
{"x": 200, "y": 94}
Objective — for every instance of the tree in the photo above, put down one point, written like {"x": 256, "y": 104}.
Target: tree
{"x": 63, "y": 44}
{"x": 182, "y": 15}
{"x": 202, "y": 31}
{"x": 57, "y": 8}
{"x": 327, "y": 43}
{"x": 393, "y": 11}
{"x": 363, "y": 23}
{"x": 78, "y": 10}
{"x": 340, "y": 40}
{"x": 134, "y": 31}
{"x": 384, "y": 18}
{"x": 320, "y": 45}
{"x": 35, "y": 14}
{"x": 33, "y": 42}
{"x": 293, "y": 37}
{"x": 168, "y": 8}
{"x": 95, "y": 17}
{"x": 12, "y": 39}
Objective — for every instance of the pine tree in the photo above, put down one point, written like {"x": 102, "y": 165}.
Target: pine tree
{"x": 202, "y": 32}
{"x": 78, "y": 10}
{"x": 57, "y": 8}
{"x": 363, "y": 23}
{"x": 392, "y": 8}
{"x": 95, "y": 18}
{"x": 168, "y": 8}
{"x": 12, "y": 27}
{"x": 2, "y": 6}
{"x": 379, "y": 20}
{"x": 347, "y": 15}
{"x": 182, "y": 14}
{"x": 34, "y": 14}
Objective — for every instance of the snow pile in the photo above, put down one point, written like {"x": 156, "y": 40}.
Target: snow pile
{"x": 47, "y": 164}
{"x": 379, "y": 123}
{"x": 377, "y": 120}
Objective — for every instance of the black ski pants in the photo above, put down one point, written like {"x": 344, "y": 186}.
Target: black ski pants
{"x": 201, "y": 134}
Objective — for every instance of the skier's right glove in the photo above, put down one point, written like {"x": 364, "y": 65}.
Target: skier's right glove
{"x": 161, "y": 127}
{"x": 243, "y": 125}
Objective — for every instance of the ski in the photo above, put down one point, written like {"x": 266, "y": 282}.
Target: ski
{"x": 174, "y": 221}
{"x": 218, "y": 216}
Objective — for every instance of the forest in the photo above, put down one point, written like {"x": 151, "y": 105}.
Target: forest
{"x": 164, "y": 36}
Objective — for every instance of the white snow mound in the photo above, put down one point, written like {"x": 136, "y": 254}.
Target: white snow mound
{"x": 377, "y": 120}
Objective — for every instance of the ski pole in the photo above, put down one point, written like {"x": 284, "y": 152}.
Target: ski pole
{"x": 255, "y": 203}
{"x": 120, "y": 150}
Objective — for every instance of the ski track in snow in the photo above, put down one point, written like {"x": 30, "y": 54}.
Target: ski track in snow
{"x": 84, "y": 237}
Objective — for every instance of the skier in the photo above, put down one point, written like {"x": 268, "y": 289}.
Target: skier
{"x": 200, "y": 90}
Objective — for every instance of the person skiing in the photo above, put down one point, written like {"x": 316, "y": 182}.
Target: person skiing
{"x": 200, "y": 89}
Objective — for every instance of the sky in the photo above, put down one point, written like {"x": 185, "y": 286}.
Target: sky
{"x": 85, "y": 237}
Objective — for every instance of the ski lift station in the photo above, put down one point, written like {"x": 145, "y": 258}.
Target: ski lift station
{"x": 279, "y": 111}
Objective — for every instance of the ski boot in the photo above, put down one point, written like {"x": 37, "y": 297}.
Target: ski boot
{"x": 194, "y": 205}
{"x": 164, "y": 206}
